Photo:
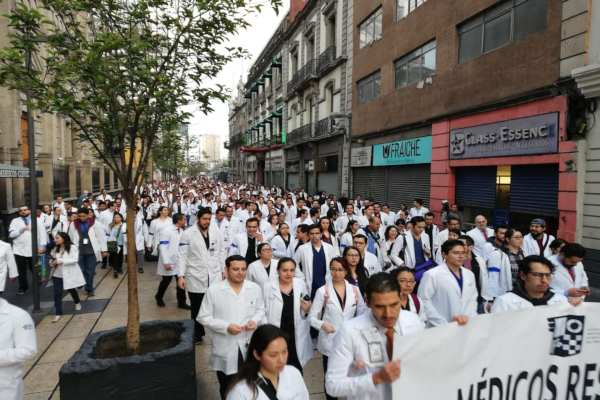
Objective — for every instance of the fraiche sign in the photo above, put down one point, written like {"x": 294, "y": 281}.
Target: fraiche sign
{"x": 550, "y": 353}
{"x": 531, "y": 135}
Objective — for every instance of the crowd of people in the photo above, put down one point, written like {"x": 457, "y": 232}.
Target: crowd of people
{"x": 273, "y": 275}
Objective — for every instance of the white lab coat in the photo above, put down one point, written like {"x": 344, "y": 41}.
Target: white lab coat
{"x": 225, "y": 228}
{"x": 168, "y": 242}
{"x": 443, "y": 236}
{"x": 18, "y": 345}
{"x": 371, "y": 263}
{"x": 352, "y": 344}
{"x": 267, "y": 230}
{"x": 239, "y": 245}
{"x": 442, "y": 298}
{"x": 327, "y": 308}
{"x": 530, "y": 246}
{"x": 480, "y": 239}
{"x": 346, "y": 240}
{"x": 512, "y": 302}
{"x": 8, "y": 266}
{"x": 222, "y": 307}
{"x": 68, "y": 268}
{"x": 200, "y": 266}
{"x": 499, "y": 275}
{"x": 562, "y": 281}
{"x": 409, "y": 249}
{"x": 97, "y": 236}
{"x": 417, "y": 212}
{"x": 291, "y": 386}
{"x": 274, "y": 308}
{"x": 279, "y": 248}
{"x": 21, "y": 236}
{"x": 59, "y": 227}
{"x": 156, "y": 226}
{"x": 258, "y": 274}
{"x": 304, "y": 257}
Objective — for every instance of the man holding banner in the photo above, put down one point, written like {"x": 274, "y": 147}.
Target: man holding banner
{"x": 362, "y": 365}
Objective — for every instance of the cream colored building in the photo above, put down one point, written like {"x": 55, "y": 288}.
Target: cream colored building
{"x": 210, "y": 148}
{"x": 68, "y": 168}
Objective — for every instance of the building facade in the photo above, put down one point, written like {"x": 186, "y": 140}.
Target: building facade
{"x": 291, "y": 122}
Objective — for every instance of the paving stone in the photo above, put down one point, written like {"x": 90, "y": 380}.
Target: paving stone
{"x": 38, "y": 396}
{"x": 61, "y": 350}
{"x": 43, "y": 378}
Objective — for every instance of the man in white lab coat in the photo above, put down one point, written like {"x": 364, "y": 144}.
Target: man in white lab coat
{"x": 314, "y": 257}
{"x": 231, "y": 311}
{"x": 200, "y": 263}
{"x": 361, "y": 364}
{"x": 17, "y": 339}
{"x": 418, "y": 210}
{"x": 20, "y": 233}
{"x": 246, "y": 243}
{"x": 448, "y": 292}
{"x": 537, "y": 241}
{"x": 168, "y": 242}
{"x": 480, "y": 234}
{"x": 8, "y": 266}
{"x": 570, "y": 278}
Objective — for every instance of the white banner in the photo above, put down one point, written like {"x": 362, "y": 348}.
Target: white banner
{"x": 549, "y": 353}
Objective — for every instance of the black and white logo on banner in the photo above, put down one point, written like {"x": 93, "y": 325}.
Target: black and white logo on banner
{"x": 567, "y": 335}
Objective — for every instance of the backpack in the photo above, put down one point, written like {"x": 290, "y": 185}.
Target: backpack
{"x": 326, "y": 299}
{"x": 416, "y": 301}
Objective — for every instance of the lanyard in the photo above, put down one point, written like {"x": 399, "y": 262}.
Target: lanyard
{"x": 459, "y": 280}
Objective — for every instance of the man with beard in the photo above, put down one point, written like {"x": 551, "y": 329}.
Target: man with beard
{"x": 537, "y": 242}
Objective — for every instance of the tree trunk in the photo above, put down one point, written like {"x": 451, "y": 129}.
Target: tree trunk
{"x": 133, "y": 305}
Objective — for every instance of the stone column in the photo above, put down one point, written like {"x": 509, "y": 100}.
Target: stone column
{"x": 46, "y": 181}
{"x": 71, "y": 165}
{"x": 86, "y": 176}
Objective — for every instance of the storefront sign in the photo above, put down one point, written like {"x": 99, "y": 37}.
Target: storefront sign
{"x": 361, "y": 156}
{"x": 403, "y": 152}
{"x": 531, "y": 135}
{"x": 13, "y": 171}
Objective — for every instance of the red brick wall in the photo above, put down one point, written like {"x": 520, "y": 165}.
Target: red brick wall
{"x": 442, "y": 168}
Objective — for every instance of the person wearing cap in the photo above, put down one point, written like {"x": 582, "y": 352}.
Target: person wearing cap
{"x": 537, "y": 241}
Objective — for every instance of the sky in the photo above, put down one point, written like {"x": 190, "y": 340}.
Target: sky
{"x": 253, "y": 39}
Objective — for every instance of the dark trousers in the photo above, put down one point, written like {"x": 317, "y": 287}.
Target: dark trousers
{"x": 116, "y": 261}
{"x": 164, "y": 284}
{"x": 225, "y": 380}
{"x": 87, "y": 263}
{"x": 104, "y": 261}
{"x": 57, "y": 284}
{"x": 23, "y": 265}
{"x": 325, "y": 360}
{"x": 195, "y": 303}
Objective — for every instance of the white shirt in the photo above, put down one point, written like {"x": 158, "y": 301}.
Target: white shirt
{"x": 352, "y": 344}
{"x": 480, "y": 239}
{"x": 20, "y": 232}
{"x": 562, "y": 281}
{"x": 18, "y": 345}
{"x": 291, "y": 386}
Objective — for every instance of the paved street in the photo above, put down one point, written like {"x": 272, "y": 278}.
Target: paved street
{"x": 58, "y": 341}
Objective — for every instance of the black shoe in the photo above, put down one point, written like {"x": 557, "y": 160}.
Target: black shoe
{"x": 91, "y": 294}
{"x": 159, "y": 301}
{"x": 21, "y": 292}
{"x": 184, "y": 306}
{"x": 103, "y": 267}
{"x": 198, "y": 340}
{"x": 115, "y": 274}
{"x": 141, "y": 270}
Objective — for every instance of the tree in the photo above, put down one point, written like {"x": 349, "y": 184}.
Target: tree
{"x": 169, "y": 153}
{"x": 122, "y": 71}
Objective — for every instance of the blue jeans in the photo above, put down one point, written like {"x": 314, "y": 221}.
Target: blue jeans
{"x": 87, "y": 263}
{"x": 58, "y": 294}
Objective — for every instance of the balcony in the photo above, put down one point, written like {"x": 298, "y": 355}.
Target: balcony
{"x": 300, "y": 135}
{"x": 328, "y": 60}
{"x": 305, "y": 75}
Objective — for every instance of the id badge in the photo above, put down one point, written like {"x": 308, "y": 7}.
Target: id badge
{"x": 212, "y": 251}
{"x": 85, "y": 241}
{"x": 376, "y": 353}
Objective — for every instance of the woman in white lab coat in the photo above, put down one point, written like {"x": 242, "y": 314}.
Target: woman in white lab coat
{"x": 283, "y": 243}
{"x": 351, "y": 230}
{"x": 328, "y": 232}
{"x": 264, "y": 375}
{"x": 263, "y": 269}
{"x": 389, "y": 237}
{"x": 156, "y": 226}
{"x": 409, "y": 300}
{"x": 66, "y": 274}
{"x": 287, "y": 307}
{"x": 334, "y": 303}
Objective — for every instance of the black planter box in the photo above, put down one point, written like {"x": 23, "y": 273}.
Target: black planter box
{"x": 169, "y": 374}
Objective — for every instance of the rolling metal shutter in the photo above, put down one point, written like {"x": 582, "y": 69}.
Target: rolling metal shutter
{"x": 311, "y": 184}
{"x": 369, "y": 183}
{"x": 327, "y": 182}
{"x": 277, "y": 178}
{"x": 293, "y": 181}
{"x": 534, "y": 189}
{"x": 476, "y": 187}
{"x": 406, "y": 183}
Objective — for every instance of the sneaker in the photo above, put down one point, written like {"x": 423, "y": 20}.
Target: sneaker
{"x": 141, "y": 270}
{"x": 56, "y": 318}
{"x": 159, "y": 301}
{"x": 184, "y": 306}
{"x": 78, "y": 307}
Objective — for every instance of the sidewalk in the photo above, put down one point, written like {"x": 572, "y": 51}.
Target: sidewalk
{"x": 57, "y": 342}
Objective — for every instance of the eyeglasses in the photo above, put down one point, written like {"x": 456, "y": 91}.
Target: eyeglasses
{"x": 540, "y": 275}
{"x": 337, "y": 269}
{"x": 407, "y": 281}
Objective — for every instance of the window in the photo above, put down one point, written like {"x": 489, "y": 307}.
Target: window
{"x": 501, "y": 24}
{"x": 371, "y": 29}
{"x": 369, "y": 87}
{"x": 405, "y": 7}
{"x": 416, "y": 66}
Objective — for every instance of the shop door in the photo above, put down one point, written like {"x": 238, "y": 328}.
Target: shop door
{"x": 534, "y": 193}
{"x": 328, "y": 182}
{"x": 406, "y": 183}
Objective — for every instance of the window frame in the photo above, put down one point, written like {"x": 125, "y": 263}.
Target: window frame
{"x": 411, "y": 8}
{"x": 481, "y": 20}
{"x": 369, "y": 79}
{"x": 370, "y": 21}
{"x": 411, "y": 56}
